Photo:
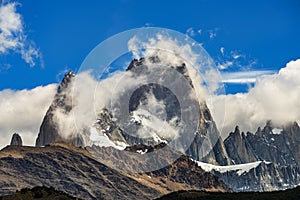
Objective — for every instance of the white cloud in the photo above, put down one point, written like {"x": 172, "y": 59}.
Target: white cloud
{"x": 22, "y": 111}
{"x": 12, "y": 36}
{"x": 274, "y": 97}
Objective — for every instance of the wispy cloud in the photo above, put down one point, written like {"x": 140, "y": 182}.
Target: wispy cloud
{"x": 225, "y": 65}
{"x": 244, "y": 77}
{"x": 191, "y": 32}
{"x": 12, "y": 34}
{"x": 234, "y": 60}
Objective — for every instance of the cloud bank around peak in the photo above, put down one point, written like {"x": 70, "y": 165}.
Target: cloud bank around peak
{"x": 12, "y": 34}
{"x": 22, "y": 111}
{"x": 274, "y": 97}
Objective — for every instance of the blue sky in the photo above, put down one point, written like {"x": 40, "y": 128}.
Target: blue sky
{"x": 265, "y": 34}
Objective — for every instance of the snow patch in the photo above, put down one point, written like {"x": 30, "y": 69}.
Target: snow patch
{"x": 277, "y": 131}
{"x": 142, "y": 152}
{"x": 240, "y": 168}
{"x": 102, "y": 140}
{"x": 153, "y": 126}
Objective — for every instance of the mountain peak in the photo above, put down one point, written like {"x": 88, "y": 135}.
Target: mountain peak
{"x": 269, "y": 123}
{"x": 237, "y": 130}
{"x": 16, "y": 140}
{"x": 49, "y": 129}
{"x": 66, "y": 81}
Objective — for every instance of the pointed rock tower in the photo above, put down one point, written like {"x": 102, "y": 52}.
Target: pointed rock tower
{"x": 16, "y": 140}
{"x": 49, "y": 130}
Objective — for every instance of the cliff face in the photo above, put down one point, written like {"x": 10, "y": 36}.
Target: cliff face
{"x": 238, "y": 148}
{"x": 208, "y": 138}
{"x": 49, "y": 129}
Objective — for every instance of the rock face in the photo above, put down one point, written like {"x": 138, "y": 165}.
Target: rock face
{"x": 49, "y": 130}
{"x": 209, "y": 133}
{"x": 16, "y": 140}
{"x": 238, "y": 148}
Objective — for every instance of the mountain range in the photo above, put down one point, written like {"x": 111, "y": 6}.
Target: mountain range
{"x": 267, "y": 160}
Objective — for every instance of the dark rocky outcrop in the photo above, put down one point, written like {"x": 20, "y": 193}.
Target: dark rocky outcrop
{"x": 16, "y": 140}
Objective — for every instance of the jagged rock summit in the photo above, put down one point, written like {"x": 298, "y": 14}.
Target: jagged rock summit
{"x": 280, "y": 145}
{"x": 16, "y": 140}
{"x": 49, "y": 129}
